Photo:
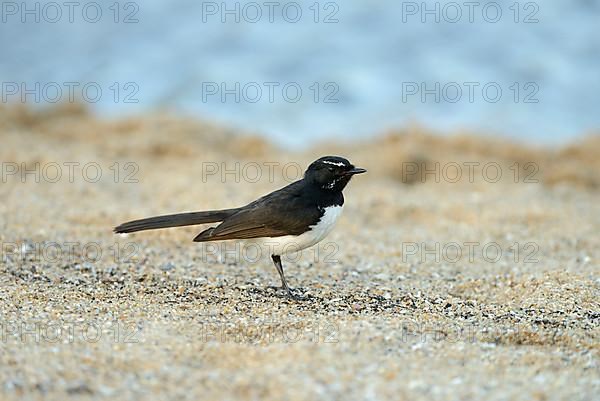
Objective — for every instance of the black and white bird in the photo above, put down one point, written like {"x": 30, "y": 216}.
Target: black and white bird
{"x": 290, "y": 219}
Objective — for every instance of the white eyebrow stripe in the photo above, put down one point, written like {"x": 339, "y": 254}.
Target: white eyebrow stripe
{"x": 340, "y": 164}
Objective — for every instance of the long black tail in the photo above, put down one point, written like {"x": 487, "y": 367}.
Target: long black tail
{"x": 175, "y": 220}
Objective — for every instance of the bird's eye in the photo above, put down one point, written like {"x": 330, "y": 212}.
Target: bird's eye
{"x": 330, "y": 169}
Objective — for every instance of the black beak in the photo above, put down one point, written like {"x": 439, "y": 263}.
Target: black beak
{"x": 356, "y": 170}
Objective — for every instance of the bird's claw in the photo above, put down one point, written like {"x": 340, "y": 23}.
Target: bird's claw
{"x": 289, "y": 293}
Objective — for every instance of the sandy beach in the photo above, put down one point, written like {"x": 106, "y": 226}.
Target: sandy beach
{"x": 463, "y": 267}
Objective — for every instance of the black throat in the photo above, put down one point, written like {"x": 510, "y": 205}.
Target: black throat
{"x": 323, "y": 197}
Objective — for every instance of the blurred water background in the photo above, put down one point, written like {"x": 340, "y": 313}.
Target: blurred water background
{"x": 364, "y": 56}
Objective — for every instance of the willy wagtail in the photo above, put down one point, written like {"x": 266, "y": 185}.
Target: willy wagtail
{"x": 290, "y": 219}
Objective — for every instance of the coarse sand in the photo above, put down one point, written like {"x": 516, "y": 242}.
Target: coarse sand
{"x": 463, "y": 267}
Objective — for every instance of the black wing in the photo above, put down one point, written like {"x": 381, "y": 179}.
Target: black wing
{"x": 287, "y": 211}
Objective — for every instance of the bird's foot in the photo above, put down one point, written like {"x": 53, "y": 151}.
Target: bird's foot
{"x": 288, "y": 292}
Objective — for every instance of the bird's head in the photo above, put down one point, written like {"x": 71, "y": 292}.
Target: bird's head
{"x": 331, "y": 172}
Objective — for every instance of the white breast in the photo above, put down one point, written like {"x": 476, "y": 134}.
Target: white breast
{"x": 292, "y": 243}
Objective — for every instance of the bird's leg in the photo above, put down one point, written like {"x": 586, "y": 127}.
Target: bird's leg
{"x": 284, "y": 284}
{"x": 279, "y": 266}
